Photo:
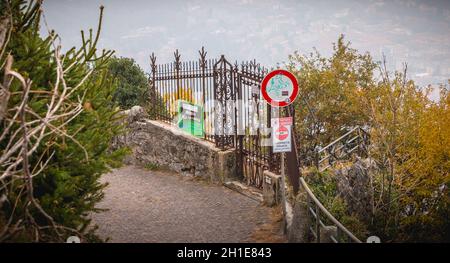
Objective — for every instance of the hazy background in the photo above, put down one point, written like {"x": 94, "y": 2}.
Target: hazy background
{"x": 412, "y": 31}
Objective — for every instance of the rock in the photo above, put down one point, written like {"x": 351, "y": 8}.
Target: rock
{"x": 354, "y": 187}
{"x": 298, "y": 228}
{"x": 135, "y": 113}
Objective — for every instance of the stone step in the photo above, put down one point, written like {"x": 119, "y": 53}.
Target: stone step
{"x": 249, "y": 191}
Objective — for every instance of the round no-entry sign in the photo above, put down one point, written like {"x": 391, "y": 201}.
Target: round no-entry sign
{"x": 282, "y": 133}
{"x": 279, "y": 88}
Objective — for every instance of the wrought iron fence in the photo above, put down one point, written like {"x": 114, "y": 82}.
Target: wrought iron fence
{"x": 234, "y": 115}
{"x": 191, "y": 81}
{"x": 254, "y": 126}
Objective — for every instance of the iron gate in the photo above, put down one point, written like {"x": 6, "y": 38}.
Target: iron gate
{"x": 225, "y": 115}
{"x": 235, "y": 115}
{"x": 236, "y": 118}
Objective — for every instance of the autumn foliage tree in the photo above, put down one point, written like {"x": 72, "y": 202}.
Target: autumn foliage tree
{"x": 329, "y": 96}
{"x": 409, "y": 137}
{"x": 410, "y": 142}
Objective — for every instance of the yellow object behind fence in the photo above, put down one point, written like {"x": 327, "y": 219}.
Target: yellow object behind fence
{"x": 171, "y": 98}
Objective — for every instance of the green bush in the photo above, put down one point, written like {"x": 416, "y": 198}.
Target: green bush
{"x": 132, "y": 84}
{"x": 324, "y": 187}
{"x": 68, "y": 188}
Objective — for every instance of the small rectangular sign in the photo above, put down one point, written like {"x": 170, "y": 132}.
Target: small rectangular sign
{"x": 285, "y": 121}
{"x": 281, "y": 134}
{"x": 190, "y": 118}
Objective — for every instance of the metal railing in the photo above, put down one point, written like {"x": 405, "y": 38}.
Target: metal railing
{"x": 354, "y": 141}
{"x": 316, "y": 210}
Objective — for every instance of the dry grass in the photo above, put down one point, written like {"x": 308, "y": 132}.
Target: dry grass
{"x": 271, "y": 232}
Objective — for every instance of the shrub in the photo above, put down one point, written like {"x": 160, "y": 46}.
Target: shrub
{"x": 132, "y": 85}
{"x": 72, "y": 152}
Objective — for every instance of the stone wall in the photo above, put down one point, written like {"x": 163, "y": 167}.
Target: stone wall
{"x": 157, "y": 143}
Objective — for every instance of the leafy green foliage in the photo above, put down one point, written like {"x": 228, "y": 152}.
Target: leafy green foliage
{"x": 132, "y": 84}
{"x": 68, "y": 188}
{"x": 324, "y": 186}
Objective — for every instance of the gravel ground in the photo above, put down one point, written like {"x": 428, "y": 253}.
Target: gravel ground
{"x": 157, "y": 206}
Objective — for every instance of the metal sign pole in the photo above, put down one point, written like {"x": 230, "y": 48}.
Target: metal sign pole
{"x": 283, "y": 186}
{"x": 280, "y": 88}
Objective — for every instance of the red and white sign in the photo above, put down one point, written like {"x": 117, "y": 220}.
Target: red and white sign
{"x": 282, "y": 133}
{"x": 279, "y": 88}
{"x": 281, "y": 137}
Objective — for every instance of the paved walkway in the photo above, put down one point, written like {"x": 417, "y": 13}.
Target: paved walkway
{"x": 156, "y": 206}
